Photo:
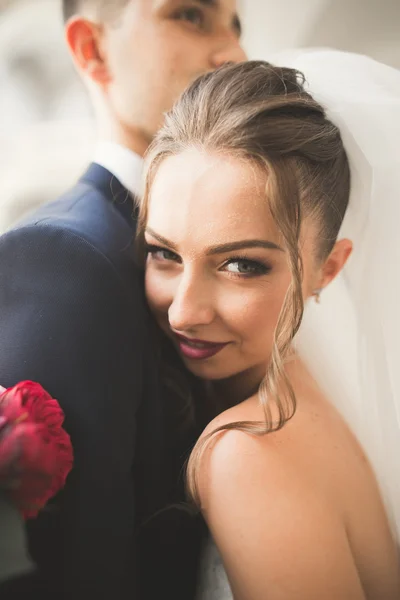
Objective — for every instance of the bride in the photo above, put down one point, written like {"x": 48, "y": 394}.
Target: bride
{"x": 264, "y": 193}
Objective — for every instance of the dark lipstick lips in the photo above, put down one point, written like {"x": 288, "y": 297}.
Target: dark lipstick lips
{"x": 198, "y": 349}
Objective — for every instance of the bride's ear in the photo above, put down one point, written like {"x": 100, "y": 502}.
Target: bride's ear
{"x": 335, "y": 261}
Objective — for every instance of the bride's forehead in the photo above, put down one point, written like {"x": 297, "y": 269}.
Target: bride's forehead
{"x": 199, "y": 201}
{"x": 200, "y": 184}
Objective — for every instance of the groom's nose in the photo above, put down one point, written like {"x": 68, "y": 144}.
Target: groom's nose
{"x": 230, "y": 50}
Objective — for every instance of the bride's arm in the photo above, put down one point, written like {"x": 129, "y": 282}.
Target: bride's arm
{"x": 279, "y": 539}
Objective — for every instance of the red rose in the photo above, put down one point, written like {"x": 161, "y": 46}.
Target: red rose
{"x": 35, "y": 451}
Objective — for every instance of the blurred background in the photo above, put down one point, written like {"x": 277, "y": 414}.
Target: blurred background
{"x": 46, "y": 130}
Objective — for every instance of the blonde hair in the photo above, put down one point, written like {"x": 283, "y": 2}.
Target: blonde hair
{"x": 263, "y": 114}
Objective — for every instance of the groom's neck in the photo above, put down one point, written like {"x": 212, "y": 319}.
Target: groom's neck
{"x": 131, "y": 138}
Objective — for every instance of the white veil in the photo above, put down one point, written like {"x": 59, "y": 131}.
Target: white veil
{"x": 351, "y": 340}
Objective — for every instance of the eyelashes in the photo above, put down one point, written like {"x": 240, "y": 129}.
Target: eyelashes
{"x": 160, "y": 253}
{"x": 192, "y": 15}
{"x": 237, "y": 266}
{"x": 246, "y": 267}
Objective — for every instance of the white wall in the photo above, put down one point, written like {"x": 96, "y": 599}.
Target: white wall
{"x": 273, "y": 25}
{"x": 370, "y": 27}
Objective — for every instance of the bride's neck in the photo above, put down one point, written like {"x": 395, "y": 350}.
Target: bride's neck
{"x": 225, "y": 393}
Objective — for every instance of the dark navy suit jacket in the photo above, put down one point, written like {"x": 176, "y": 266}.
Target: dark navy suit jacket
{"x": 73, "y": 317}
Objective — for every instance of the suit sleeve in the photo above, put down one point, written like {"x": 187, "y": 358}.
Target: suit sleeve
{"x": 68, "y": 322}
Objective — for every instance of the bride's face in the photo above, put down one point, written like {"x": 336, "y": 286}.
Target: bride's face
{"x": 217, "y": 271}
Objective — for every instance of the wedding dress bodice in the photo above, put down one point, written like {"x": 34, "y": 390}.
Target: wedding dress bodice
{"x": 213, "y": 582}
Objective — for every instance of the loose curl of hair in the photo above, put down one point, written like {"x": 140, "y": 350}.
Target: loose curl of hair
{"x": 262, "y": 113}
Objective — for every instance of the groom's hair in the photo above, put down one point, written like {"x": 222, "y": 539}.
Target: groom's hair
{"x": 104, "y": 8}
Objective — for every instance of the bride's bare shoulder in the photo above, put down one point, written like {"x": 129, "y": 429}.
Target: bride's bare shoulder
{"x": 235, "y": 457}
{"x": 273, "y": 526}
{"x": 314, "y": 450}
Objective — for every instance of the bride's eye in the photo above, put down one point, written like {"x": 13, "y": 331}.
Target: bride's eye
{"x": 161, "y": 254}
{"x": 193, "y": 15}
{"x": 245, "y": 267}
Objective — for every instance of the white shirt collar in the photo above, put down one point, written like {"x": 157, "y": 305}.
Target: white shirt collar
{"x": 123, "y": 163}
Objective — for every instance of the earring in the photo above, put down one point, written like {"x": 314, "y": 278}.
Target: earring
{"x": 317, "y": 295}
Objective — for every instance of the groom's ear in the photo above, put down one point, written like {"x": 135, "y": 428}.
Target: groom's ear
{"x": 335, "y": 261}
{"x": 84, "y": 39}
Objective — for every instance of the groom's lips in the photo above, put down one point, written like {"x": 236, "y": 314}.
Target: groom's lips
{"x": 198, "y": 349}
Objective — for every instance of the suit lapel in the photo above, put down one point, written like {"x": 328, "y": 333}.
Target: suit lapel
{"x": 121, "y": 199}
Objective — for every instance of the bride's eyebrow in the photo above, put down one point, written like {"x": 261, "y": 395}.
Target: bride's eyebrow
{"x": 242, "y": 245}
{"x": 220, "y": 248}
{"x": 162, "y": 240}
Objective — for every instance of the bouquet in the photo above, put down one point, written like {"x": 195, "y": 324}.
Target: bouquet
{"x": 35, "y": 451}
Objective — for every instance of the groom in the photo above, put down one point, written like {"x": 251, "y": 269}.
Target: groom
{"x": 73, "y": 316}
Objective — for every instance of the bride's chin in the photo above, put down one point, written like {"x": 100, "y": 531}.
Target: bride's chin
{"x": 206, "y": 370}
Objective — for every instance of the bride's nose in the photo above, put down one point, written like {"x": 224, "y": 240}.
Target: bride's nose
{"x": 192, "y": 304}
